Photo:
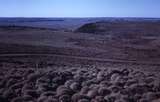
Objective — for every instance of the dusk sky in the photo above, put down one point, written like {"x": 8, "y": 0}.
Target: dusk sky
{"x": 79, "y": 8}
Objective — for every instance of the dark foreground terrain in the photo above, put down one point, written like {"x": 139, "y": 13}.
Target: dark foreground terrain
{"x": 102, "y": 61}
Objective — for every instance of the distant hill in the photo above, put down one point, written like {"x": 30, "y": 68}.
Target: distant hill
{"x": 15, "y": 27}
{"x": 122, "y": 28}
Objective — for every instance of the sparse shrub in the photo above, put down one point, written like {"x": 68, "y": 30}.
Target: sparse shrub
{"x": 104, "y": 91}
{"x": 77, "y": 96}
{"x": 42, "y": 99}
{"x": 65, "y": 98}
{"x": 48, "y": 93}
{"x": 83, "y": 100}
{"x": 68, "y": 83}
{"x": 61, "y": 90}
{"x": 99, "y": 99}
{"x": 75, "y": 86}
{"x": 84, "y": 90}
{"x": 33, "y": 77}
{"x": 92, "y": 93}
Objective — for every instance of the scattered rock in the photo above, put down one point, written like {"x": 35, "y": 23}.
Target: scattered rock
{"x": 79, "y": 85}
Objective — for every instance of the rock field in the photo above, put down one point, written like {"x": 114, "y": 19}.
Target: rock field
{"x": 78, "y": 85}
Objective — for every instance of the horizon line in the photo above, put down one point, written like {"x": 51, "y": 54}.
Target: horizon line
{"x": 78, "y": 17}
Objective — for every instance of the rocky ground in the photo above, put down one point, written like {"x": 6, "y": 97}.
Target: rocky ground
{"x": 78, "y": 84}
{"x": 99, "y": 62}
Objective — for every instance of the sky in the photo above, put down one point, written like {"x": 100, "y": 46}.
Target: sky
{"x": 80, "y": 8}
